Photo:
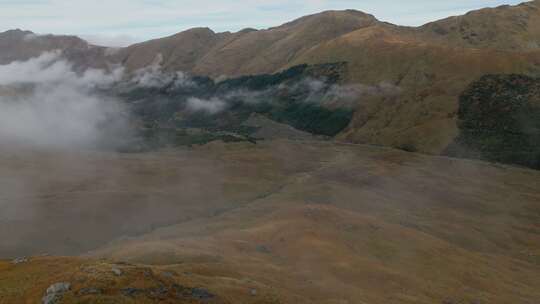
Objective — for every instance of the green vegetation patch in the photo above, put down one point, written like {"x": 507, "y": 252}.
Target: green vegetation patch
{"x": 499, "y": 120}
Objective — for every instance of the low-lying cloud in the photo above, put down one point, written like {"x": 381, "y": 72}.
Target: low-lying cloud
{"x": 344, "y": 95}
{"x": 210, "y": 106}
{"x": 45, "y": 103}
{"x": 153, "y": 76}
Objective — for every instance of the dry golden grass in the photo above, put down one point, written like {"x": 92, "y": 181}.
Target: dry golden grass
{"x": 319, "y": 222}
{"x": 26, "y": 283}
{"x": 432, "y": 64}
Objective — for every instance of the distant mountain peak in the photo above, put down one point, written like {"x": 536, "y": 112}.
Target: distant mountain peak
{"x": 205, "y": 30}
{"x": 15, "y": 33}
{"x": 17, "y": 30}
{"x": 344, "y": 15}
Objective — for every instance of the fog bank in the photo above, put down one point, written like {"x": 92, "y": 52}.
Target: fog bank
{"x": 45, "y": 103}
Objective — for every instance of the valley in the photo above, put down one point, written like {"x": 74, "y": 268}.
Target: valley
{"x": 305, "y": 221}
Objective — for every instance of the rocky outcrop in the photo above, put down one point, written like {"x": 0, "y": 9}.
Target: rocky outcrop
{"x": 55, "y": 292}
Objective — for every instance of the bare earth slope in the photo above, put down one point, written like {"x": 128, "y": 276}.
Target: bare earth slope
{"x": 300, "y": 222}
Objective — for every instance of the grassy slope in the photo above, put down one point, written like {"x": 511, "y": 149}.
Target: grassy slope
{"x": 393, "y": 228}
{"x": 433, "y": 64}
{"x": 329, "y": 224}
{"x": 431, "y": 77}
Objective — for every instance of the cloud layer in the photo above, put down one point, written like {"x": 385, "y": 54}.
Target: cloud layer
{"x": 44, "y": 103}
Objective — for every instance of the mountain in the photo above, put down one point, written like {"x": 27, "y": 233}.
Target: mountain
{"x": 22, "y": 45}
{"x": 432, "y": 64}
{"x": 203, "y": 52}
{"x": 228, "y": 167}
{"x": 431, "y": 69}
{"x": 505, "y": 28}
{"x": 19, "y": 45}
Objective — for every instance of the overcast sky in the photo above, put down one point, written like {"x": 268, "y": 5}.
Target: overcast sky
{"x": 120, "y": 22}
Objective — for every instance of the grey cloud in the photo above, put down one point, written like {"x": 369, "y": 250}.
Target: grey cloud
{"x": 46, "y": 104}
{"x": 153, "y": 76}
{"x": 211, "y": 106}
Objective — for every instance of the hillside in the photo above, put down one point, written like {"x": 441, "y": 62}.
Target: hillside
{"x": 304, "y": 99}
{"x": 275, "y": 166}
{"x": 432, "y": 64}
{"x": 277, "y": 222}
{"x": 18, "y": 45}
{"x": 203, "y": 52}
{"x": 499, "y": 120}
{"x": 514, "y": 28}
{"x": 432, "y": 71}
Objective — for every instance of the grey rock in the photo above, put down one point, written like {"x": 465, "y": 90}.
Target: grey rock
{"x": 117, "y": 271}
{"x": 19, "y": 260}
{"x": 201, "y": 294}
{"x": 194, "y": 293}
{"x": 131, "y": 292}
{"x": 253, "y": 292}
{"x": 58, "y": 288}
{"x": 54, "y": 293}
{"x": 179, "y": 290}
{"x": 168, "y": 274}
{"x": 90, "y": 291}
{"x": 159, "y": 292}
{"x": 53, "y": 298}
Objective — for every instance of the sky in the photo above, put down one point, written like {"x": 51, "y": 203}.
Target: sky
{"x": 122, "y": 22}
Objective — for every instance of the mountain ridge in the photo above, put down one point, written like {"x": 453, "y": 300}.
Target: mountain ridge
{"x": 432, "y": 64}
